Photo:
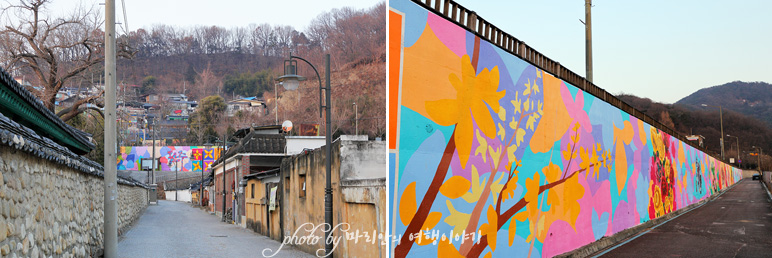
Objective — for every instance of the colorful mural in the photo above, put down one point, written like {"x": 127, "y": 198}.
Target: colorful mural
{"x": 171, "y": 158}
{"x": 493, "y": 156}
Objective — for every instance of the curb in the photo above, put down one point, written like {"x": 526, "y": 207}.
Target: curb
{"x": 769, "y": 194}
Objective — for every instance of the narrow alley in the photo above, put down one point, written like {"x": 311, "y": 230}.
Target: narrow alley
{"x": 176, "y": 229}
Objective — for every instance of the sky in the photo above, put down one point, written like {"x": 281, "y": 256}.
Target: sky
{"x": 228, "y": 14}
{"x": 662, "y": 50}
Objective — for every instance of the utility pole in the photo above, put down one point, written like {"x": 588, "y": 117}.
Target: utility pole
{"x": 721, "y": 119}
{"x": 111, "y": 169}
{"x": 153, "y": 155}
{"x": 356, "y": 120}
{"x": 224, "y": 191}
{"x": 588, "y": 37}
{"x": 176, "y": 169}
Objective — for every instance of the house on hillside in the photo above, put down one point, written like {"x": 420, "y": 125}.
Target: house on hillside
{"x": 154, "y": 98}
{"x": 172, "y": 106}
{"x": 249, "y": 104}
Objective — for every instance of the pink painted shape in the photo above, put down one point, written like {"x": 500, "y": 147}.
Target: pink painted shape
{"x": 449, "y": 34}
{"x": 626, "y": 216}
{"x": 575, "y": 107}
{"x": 561, "y": 237}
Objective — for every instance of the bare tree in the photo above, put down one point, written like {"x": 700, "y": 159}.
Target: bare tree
{"x": 55, "y": 50}
{"x": 208, "y": 80}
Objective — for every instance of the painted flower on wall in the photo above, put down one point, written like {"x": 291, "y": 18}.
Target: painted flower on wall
{"x": 475, "y": 94}
{"x": 662, "y": 184}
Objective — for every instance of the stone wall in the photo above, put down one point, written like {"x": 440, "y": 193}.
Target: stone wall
{"x": 49, "y": 209}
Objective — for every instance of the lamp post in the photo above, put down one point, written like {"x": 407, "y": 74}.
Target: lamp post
{"x": 201, "y": 184}
{"x": 291, "y": 81}
{"x": 276, "y": 102}
{"x": 738, "y": 147}
{"x": 721, "y": 118}
{"x": 356, "y": 119}
{"x": 759, "y": 156}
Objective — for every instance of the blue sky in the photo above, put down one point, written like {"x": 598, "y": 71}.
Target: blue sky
{"x": 189, "y": 13}
{"x": 662, "y": 50}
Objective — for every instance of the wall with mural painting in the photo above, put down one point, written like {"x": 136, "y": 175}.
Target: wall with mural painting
{"x": 171, "y": 158}
{"x": 484, "y": 142}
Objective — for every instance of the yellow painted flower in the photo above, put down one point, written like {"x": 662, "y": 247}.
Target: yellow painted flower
{"x": 475, "y": 93}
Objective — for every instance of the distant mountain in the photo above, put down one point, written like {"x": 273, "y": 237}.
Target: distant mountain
{"x": 691, "y": 119}
{"x": 749, "y": 98}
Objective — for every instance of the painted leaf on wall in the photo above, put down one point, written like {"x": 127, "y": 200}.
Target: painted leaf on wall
{"x": 455, "y": 187}
{"x": 456, "y": 219}
{"x": 407, "y": 204}
{"x": 490, "y": 229}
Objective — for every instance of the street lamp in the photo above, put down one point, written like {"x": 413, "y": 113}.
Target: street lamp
{"x": 291, "y": 81}
{"x": 721, "y": 117}
{"x": 356, "y": 119}
{"x": 759, "y": 156}
{"x": 738, "y": 146}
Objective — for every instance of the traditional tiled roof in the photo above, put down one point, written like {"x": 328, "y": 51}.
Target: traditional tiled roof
{"x": 19, "y": 102}
{"x": 18, "y": 136}
{"x": 24, "y": 139}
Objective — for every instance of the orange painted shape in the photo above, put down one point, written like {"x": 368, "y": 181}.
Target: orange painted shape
{"x": 623, "y": 137}
{"x": 426, "y": 68}
{"x": 395, "y": 54}
{"x": 555, "y": 121}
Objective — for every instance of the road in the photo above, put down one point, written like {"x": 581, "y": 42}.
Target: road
{"x": 176, "y": 229}
{"x": 736, "y": 224}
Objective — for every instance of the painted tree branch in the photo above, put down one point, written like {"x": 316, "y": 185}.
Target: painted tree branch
{"x": 426, "y": 203}
{"x": 504, "y": 217}
{"x": 478, "y": 208}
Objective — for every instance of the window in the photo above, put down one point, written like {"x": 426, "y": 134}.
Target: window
{"x": 302, "y": 183}
{"x": 253, "y": 191}
{"x": 286, "y": 184}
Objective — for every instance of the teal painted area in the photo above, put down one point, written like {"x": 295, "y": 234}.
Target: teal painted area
{"x": 414, "y": 129}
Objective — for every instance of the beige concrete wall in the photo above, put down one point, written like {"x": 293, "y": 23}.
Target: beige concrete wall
{"x": 360, "y": 202}
{"x": 749, "y": 173}
{"x": 48, "y": 209}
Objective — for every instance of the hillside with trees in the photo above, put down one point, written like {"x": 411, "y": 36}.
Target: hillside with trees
{"x": 749, "y": 98}
{"x": 698, "y": 120}
{"x": 200, "y": 62}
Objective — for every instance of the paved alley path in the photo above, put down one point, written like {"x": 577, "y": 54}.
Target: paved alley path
{"x": 736, "y": 224}
{"x": 175, "y": 229}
